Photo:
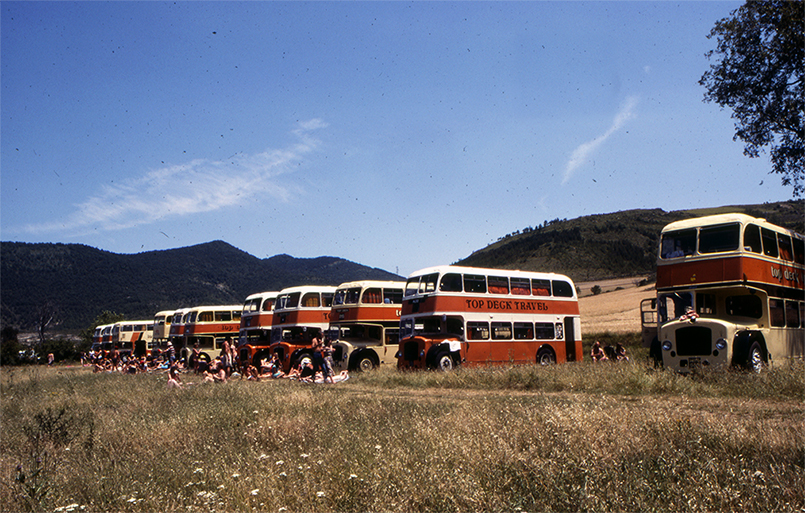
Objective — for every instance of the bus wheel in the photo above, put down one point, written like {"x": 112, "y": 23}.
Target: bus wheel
{"x": 303, "y": 359}
{"x": 754, "y": 361}
{"x": 364, "y": 363}
{"x": 444, "y": 362}
{"x": 205, "y": 357}
{"x": 545, "y": 356}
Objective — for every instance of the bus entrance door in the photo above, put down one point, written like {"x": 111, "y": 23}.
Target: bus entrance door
{"x": 570, "y": 340}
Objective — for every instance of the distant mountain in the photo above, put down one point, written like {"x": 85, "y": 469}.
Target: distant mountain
{"x": 80, "y": 282}
{"x": 620, "y": 244}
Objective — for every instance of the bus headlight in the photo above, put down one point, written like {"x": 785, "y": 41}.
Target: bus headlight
{"x": 666, "y": 346}
{"x": 398, "y": 354}
{"x": 721, "y": 344}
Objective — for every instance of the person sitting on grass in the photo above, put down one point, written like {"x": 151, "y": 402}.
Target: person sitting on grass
{"x": 597, "y": 353}
{"x": 620, "y": 352}
{"x": 174, "y": 381}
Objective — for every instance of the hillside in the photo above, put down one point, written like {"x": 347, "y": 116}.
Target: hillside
{"x": 80, "y": 282}
{"x": 606, "y": 246}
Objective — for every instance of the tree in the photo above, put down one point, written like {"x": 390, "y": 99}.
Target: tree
{"x": 760, "y": 77}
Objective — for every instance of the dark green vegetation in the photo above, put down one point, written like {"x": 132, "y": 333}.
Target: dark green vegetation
{"x": 79, "y": 282}
{"x": 572, "y": 437}
{"x": 73, "y": 284}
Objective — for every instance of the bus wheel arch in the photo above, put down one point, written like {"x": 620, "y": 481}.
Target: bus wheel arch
{"x": 440, "y": 357}
{"x": 546, "y": 356}
{"x": 364, "y": 360}
{"x": 749, "y": 351}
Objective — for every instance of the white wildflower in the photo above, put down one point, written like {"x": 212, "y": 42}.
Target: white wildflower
{"x": 280, "y": 462}
{"x": 255, "y": 491}
{"x": 305, "y": 455}
{"x": 320, "y": 494}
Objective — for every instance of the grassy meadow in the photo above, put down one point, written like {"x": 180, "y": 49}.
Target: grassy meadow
{"x": 573, "y": 437}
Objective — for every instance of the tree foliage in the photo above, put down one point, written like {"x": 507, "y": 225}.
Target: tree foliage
{"x": 759, "y": 75}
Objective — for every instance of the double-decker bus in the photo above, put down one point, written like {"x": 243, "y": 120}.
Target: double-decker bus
{"x": 97, "y": 337}
{"x": 729, "y": 293}
{"x": 176, "y": 331}
{"x": 299, "y": 313}
{"x": 162, "y": 326}
{"x": 209, "y": 327}
{"x": 132, "y": 337}
{"x": 466, "y": 315}
{"x": 255, "y": 327}
{"x": 365, "y": 324}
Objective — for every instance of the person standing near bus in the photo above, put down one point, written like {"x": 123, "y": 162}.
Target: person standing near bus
{"x": 226, "y": 358}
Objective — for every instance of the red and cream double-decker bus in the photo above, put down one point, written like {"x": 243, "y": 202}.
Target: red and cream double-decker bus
{"x": 176, "y": 330}
{"x": 255, "y": 327}
{"x": 162, "y": 326}
{"x": 209, "y": 327}
{"x": 299, "y": 313}
{"x": 465, "y": 315}
{"x": 365, "y": 324}
{"x": 729, "y": 293}
{"x": 98, "y": 337}
{"x": 132, "y": 337}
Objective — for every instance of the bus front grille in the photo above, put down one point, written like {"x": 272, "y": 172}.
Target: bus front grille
{"x": 694, "y": 341}
{"x": 411, "y": 351}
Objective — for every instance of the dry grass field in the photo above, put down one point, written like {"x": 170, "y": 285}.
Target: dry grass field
{"x": 572, "y": 437}
{"x": 615, "y": 311}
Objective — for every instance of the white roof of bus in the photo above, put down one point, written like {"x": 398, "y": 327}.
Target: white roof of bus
{"x": 262, "y": 295}
{"x": 217, "y": 307}
{"x": 308, "y": 288}
{"x": 483, "y": 270}
{"x": 723, "y": 219}
{"x": 371, "y": 283}
{"x": 165, "y": 312}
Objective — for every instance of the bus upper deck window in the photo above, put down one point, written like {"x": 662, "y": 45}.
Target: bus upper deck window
{"x": 372, "y": 296}
{"x": 541, "y": 287}
{"x": 786, "y": 251}
{"x": 474, "y": 283}
{"x": 521, "y": 286}
{"x": 562, "y": 289}
{"x": 327, "y": 299}
{"x": 769, "y": 242}
{"x": 799, "y": 250}
{"x": 268, "y": 304}
{"x": 428, "y": 283}
{"x": 498, "y": 284}
{"x": 678, "y": 243}
{"x": 392, "y": 296}
{"x": 451, "y": 282}
{"x": 752, "y": 239}
{"x": 715, "y": 239}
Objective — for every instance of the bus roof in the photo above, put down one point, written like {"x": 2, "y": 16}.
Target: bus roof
{"x": 483, "y": 270}
{"x": 371, "y": 283}
{"x": 308, "y": 288}
{"x": 717, "y": 219}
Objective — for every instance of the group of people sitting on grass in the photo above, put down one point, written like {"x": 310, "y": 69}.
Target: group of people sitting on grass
{"x": 617, "y": 353}
{"x": 317, "y": 368}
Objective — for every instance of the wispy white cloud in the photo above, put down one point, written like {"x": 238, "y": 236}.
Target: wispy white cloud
{"x": 185, "y": 189}
{"x": 584, "y": 151}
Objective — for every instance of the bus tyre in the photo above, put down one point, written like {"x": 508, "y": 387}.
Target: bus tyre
{"x": 754, "y": 360}
{"x": 205, "y": 357}
{"x": 364, "y": 362}
{"x": 545, "y": 356}
{"x": 444, "y": 362}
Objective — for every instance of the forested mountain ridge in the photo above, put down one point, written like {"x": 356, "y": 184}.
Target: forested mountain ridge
{"x": 78, "y": 282}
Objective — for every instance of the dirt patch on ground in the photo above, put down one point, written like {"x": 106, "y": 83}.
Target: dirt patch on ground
{"x": 616, "y": 309}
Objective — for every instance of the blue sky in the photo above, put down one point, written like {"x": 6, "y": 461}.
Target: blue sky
{"x": 398, "y": 135}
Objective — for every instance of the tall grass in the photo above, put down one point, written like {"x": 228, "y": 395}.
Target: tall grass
{"x": 580, "y": 437}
